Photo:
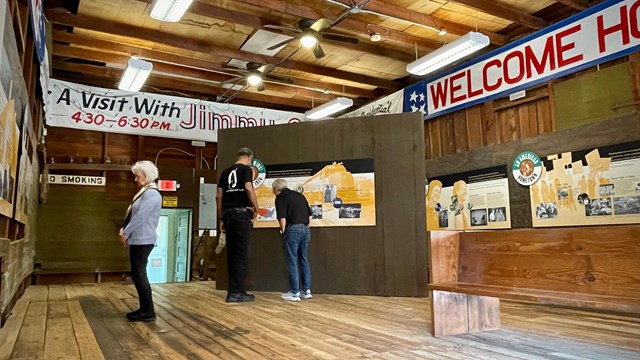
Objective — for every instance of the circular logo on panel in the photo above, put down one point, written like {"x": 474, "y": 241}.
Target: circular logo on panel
{"x": 259, "y": 173}
{"x": 527, "y": 168}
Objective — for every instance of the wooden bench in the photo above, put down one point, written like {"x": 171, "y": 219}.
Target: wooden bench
{"x": 78, "y": 275}
{"x": 588, "y": 267}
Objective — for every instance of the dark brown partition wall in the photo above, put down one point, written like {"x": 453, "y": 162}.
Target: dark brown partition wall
{"x": 387, "y": 259}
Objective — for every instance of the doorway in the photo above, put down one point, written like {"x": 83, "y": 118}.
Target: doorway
{"x": 169, "y": 259}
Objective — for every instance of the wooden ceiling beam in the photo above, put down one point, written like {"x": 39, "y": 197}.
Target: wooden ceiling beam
{"x": 576, "y": 4}
{"x": 349, "y": 25}
{"x": 191, "y": 62}
{"x": 419, "y": 18}
{"x": 178, "y": 73}
{"x": 172, "y": 86}
{"x": 505, "y": 12}
{"x": 256, "y": 22}
{"x": 173, "y": 71}
{"x": 60, "y": 16}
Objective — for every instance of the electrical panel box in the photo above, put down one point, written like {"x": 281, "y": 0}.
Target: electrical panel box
{"x": 207, "y": 219}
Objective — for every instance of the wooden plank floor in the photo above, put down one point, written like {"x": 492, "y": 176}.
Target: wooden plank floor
{"x": 86, "y": 322}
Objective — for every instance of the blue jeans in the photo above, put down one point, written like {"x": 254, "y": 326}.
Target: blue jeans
{"x": 296, "y": 246}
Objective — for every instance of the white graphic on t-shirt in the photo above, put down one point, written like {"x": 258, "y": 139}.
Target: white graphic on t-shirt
{"x": 233, "y": 179}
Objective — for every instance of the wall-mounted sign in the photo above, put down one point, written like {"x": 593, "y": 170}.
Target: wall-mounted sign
{"x": 169, "y": 201}
{"x": 168, "y": 185}
{"x": 526, "y": 168}
{"x": 391, "y": 104}
{"x": 596, "y": 35}
{"x": 340, "y": 193}
{"x": 84, "y": 107}
{"x": 77, "y": 180}
{"x": 589, "y": 187}
{"x": 259, "y": 173}
{"x": 472, "y": 200}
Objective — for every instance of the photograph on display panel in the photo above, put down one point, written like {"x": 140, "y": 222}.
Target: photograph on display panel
{"x": 589, "y": 187}
{"x": 340, "y": 193}
{"x": 26, "y": 175}
{"x": 13, "y": 98}
{"x": 471, "y": 200}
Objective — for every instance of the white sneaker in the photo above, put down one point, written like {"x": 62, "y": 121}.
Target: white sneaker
{"x": 306, "y": 294}
{"x": 289, "y": 296}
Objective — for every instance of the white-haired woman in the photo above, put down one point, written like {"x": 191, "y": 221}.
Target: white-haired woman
{"x": 139, "y": 232}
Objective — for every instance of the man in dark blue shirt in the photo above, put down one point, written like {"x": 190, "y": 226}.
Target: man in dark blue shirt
{"x": 237, "y": 209}
{"x": 294, "y": 215}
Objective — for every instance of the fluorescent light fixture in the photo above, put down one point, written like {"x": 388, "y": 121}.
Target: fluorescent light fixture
{"x": 254, "y": 79}
{"x": 451, "y": 52}
{"x": 329, "y": 108}
{"x": 169, "y": 10}
{"x": 135, "y": 75}
{"x": 308, "y": 40}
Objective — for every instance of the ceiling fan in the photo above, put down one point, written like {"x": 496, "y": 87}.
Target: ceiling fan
{"x": 310, "y": 32}
{"x": 254, "y": 75}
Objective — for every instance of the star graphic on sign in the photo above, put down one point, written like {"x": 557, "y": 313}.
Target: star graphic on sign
{"x": 416, "y": 98}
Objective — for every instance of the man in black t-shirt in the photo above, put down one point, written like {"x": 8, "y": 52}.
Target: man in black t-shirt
{"x": 294, "y": 215}
{"x": 237, "y": 209}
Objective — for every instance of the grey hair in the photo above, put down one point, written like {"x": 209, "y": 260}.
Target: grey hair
{"x": 279, "y": 184}
{"x": 148, "y": 168}
{"x": 245, "y": 151}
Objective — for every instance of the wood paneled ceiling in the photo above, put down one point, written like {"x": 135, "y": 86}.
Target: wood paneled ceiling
{"x": 93, "y": 39}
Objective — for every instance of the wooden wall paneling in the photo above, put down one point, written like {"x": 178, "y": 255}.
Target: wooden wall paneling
{"x": 4, "y": 227}
{"x": 140, "y": 153}
{"x": 490, "y": 125}
{"x": 474, "y": 127}
{"x": 336, "y": 241}
{"x": 421, "y": 248}
{"x": 461, "y": 136}
{"x": 435, "y": 138}
{"x": 545, "y": 115}
{"x": 358, "y": 143}
{"x": 151, "y": 147}
{"x": 550, "y": 117}
{"x": 20, "y": 18}
{"x": 380, "y": 280}
{"x": 508, "y": 124}
{"x": 613, "y": 131}
{"x": 428, "y": 154}
{"x": 447, "y": 134}
{"x": 27, "y": 66}
{"x": 399, "y": 248}
{"x": 120, "y": 148}
{"x": 78, "y": 144}
{"x": 527, "y": 120}
{"x": 78, "y": 230}
{"x": 634, "y": 63}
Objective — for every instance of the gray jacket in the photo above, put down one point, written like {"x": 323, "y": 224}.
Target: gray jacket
{"x": 145, "y": 214}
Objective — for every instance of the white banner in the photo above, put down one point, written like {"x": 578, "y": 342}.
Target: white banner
{"x": 601, "y": 33}
{"x": 391, "y": 104}
{"x": 77, "y": 180}
{"x": 91, "y": 108}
